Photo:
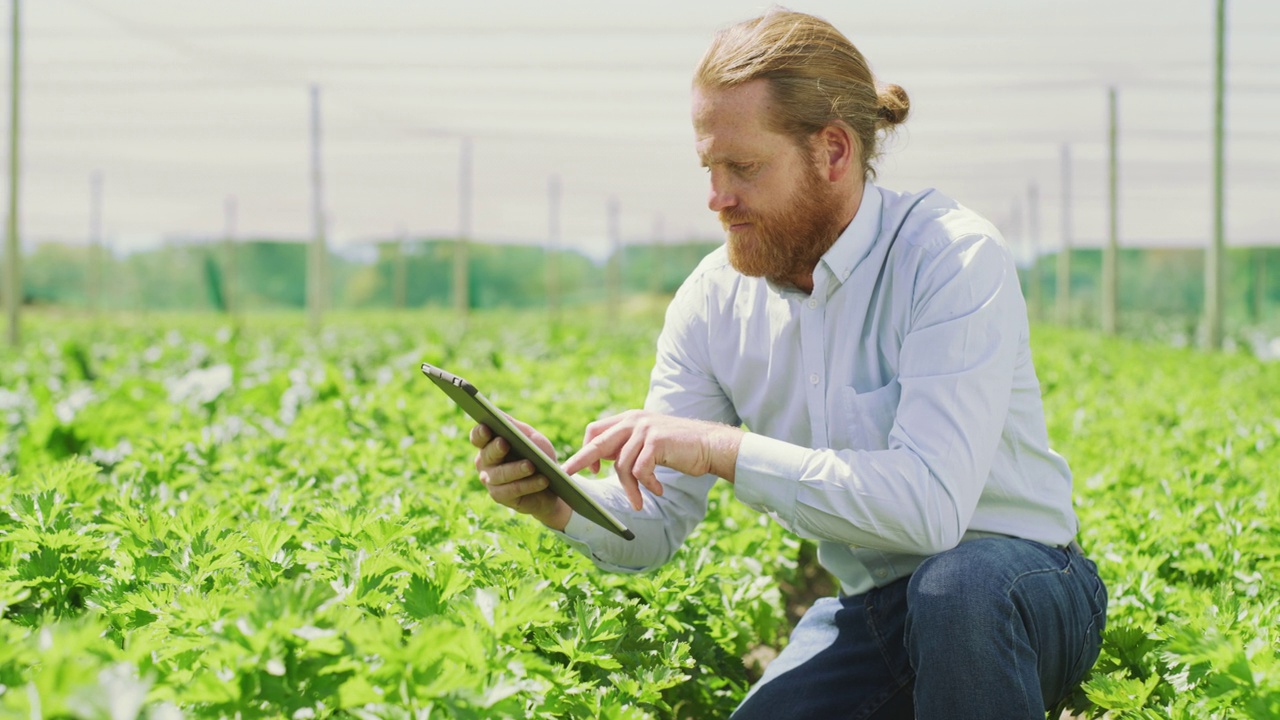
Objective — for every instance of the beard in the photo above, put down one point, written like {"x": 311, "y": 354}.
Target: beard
{"x": 790, "y": 242}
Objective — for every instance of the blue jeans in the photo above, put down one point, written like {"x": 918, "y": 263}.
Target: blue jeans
{"x": 994, "y": 628}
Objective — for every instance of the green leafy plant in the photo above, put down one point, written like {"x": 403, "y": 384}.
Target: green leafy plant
{"x": 202, "y": 520}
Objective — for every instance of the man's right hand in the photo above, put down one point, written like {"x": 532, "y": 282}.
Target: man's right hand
{"x": 517, "y": 484}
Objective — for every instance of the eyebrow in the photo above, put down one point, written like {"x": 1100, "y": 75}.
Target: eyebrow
{"x": 707, "y": 160}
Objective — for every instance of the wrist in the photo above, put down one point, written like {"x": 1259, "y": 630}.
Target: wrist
{"x": 723, "y": 445}
{"x": 559, "y": 518}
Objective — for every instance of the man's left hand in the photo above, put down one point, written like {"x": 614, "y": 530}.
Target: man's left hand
{"x": 638, "y": 441}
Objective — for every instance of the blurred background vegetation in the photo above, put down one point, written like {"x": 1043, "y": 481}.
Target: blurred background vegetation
{"x": 1162, "y": 285}
{"x": 271, "y": 275}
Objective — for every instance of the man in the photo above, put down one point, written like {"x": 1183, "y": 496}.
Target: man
{"x": 876, "y": 346}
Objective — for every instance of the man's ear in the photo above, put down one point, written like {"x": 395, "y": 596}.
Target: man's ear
{"x": 838, "y": 151}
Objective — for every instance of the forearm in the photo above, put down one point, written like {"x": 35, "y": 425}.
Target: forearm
{"x": 886, "y": 500}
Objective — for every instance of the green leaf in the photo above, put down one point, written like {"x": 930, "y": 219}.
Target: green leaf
{"x": 1117, "y": 692}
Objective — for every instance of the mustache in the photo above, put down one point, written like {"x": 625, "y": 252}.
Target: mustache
{"x": 734, "y": 217}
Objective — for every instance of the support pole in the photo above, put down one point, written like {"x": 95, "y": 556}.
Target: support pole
{"x": 659, "y": 256}
{"x": 1014, "y": 235}
{"x": 400, "y": 271}
{"x": 461, "y": 260}
{"x": 553, "y": 248}
{"x": 1033, "y": 239}
{"x": 95, "y": 243}
{"x": 13, "y": 260}
{"x": 317, "y": 257}
{"x": 230, "y": 284}
{"x": 1111, "y": 253}
{"x": 1213, "y": 266}
{"x": 614, "y": 280}
{"x": 1063, "y": 296}
{"x": 1259, "y": 283}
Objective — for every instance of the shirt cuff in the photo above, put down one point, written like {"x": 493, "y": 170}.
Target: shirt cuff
{"x": 581, "y": 534}
{"x": 767, "y": 475}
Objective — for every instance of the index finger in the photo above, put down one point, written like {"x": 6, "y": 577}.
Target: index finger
{"x": 590, "y": 455}
{"x": 604, "y": 446}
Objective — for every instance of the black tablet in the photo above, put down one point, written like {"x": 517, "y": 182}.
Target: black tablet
{"x": 467, "y": 397}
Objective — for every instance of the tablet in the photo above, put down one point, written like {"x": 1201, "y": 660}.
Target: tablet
{"x": 482, "y": 411}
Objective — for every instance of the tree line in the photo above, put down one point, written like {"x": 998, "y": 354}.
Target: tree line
{"x": 264, "y": 274}
{"x": 270, "y": 274}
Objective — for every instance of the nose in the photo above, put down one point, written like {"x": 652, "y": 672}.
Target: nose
{"x": 722, "y": 195}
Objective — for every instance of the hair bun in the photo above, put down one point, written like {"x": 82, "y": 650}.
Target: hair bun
{"x": 894, "y": 105}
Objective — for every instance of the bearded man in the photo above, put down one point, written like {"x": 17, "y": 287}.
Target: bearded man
{"x": 876, "y": 345}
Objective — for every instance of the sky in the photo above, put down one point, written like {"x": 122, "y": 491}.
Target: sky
{"x": 178, "y": 106}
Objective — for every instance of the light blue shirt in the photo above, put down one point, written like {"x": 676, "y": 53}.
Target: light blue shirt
{"x": 893, "y": 412}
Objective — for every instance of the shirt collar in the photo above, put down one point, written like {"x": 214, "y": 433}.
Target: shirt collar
{"x": 855, "y": 242}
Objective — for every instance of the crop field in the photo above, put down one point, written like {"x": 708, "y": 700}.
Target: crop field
{"x": 208, "y": 519}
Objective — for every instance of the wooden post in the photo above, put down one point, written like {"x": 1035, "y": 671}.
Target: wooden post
{"x": 1111, "y": 253}
{"x": 658, "y": 256}
{"x": 230, "y": 286}
{"x": 1259, "y": 283}
{"x": 318, "y": 253}
{"x": 553, "y": 248}
{"x": 171, "y": 298}
{"x": 461, "y": 260}
{"x": 1063, "y": 297}
{"x": 1033, "y": 239}
{"x": 1214, "y": 258}
{"x": 400, "y": 272}
{"x": 95, "y": 243}
{"x": 13, "y": 259}
{"x": 1014, "y": 235}
{"x": 614, "y": 264}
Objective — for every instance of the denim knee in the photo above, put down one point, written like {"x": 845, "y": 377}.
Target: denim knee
{"x": 1014, "y": 616}
{"x": 962, "y": 593}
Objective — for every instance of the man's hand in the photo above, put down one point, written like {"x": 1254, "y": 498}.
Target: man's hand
{"x": 638, "y": 441}
{"x": 517, "y": 484}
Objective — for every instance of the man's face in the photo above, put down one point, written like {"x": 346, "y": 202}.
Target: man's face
{"x": 779, "y": 212}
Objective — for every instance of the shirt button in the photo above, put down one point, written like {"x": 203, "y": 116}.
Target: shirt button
{"x": 813, "y": 378}
{"x": 880, "y": 573}
{"x": 813, "y": 303}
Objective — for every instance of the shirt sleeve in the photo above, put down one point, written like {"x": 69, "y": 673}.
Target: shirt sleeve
{"x": 956, "y": 367}
{"x": 679, "y": 385}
